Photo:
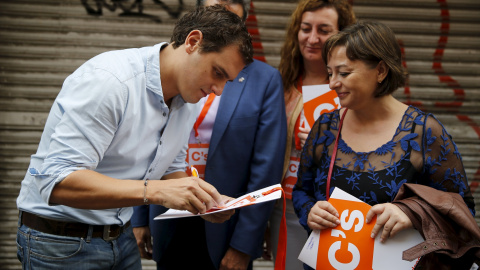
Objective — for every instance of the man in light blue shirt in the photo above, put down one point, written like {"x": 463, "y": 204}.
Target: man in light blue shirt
{"x": 121, "y": 117}
{"x": 243, "y": 135}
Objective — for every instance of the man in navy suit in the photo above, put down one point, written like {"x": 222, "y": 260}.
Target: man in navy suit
{"x": 244, "y": 133}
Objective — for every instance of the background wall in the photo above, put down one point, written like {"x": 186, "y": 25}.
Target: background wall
{"x": 43, "y": 41}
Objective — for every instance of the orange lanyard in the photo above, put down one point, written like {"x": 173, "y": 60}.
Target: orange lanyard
{"x": 297, "y": 122}
{"x": 299, "y": 84}
{"x": 203, "y": 113}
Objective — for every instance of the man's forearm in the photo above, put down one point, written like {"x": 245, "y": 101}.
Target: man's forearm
{"x": 88, "y": 189}
{"x": 91, "y": 190}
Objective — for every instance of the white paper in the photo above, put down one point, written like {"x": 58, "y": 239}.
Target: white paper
{"x": 391, "y": 252}
{"x": 308, "y": 255}
{"x": 386, "y": 255}
{"x": 237, "y": 203}
{"x": 310, "y": 92}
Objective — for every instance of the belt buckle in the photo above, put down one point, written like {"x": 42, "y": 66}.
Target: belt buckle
{"x": 106, "y": 234}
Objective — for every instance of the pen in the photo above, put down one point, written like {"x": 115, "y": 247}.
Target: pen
{"x": 194, "y": 171}
{"x": 195, "y": 174}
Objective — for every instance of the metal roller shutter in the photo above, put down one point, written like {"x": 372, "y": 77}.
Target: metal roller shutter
{"x": 43, "y": 41}
{"x": 440, "y": 41}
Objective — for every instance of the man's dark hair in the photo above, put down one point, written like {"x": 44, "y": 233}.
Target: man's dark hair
{"x": 244, "y": 3}
{"x": 220, "y": 28}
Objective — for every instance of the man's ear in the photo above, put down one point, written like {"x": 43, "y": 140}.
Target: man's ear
{"x": 193, "y": 41}
{"x": 382, "y": 71}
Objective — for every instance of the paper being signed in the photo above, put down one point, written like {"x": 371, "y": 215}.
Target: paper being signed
{"x": 259, "y": 196}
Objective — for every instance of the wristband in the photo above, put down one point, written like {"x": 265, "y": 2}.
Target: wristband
{"x": 145, "y": 200}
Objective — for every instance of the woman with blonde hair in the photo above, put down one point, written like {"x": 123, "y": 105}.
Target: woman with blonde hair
{"x": 311, "y": 24}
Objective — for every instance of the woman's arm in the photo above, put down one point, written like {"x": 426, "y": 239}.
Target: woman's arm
{"x": 304, "y": 196}
{"x": 443, "y": 163}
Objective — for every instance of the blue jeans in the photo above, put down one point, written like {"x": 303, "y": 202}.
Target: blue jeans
{"x": 38, "y": 250}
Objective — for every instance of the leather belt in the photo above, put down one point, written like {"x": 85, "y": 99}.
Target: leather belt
{"x": 74, "y": 229}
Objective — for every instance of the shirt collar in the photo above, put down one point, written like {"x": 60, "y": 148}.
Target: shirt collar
{"x": 153, "y": 78}
{"x": 152, "y": 72}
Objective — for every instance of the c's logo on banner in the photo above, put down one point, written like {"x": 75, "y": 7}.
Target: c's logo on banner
{"x": 324, "y": 103}
{"x": 197, "y": 155}
{"x": 290, "y": 177}
{"x": 349, "y": 245}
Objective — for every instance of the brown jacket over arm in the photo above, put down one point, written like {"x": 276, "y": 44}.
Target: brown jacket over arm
{"x": 452, "y": 237}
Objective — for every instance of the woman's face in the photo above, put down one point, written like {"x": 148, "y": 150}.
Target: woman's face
{"x": 354, "y": 81}
{"x": 315, "y": 28}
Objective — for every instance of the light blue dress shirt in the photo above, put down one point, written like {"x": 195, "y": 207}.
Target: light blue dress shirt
{"x": 110, "y": 117}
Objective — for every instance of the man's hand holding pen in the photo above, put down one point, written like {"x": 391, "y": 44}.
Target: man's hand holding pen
{"x": 181, "y": 192}
{"x": 222, "y": 216}
{"x": 219, "y": 217}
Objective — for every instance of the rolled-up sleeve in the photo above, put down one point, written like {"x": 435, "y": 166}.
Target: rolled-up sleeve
{"x": 82, "y": 122}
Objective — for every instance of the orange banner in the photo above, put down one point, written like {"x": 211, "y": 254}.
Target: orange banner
{"x": 324, "y": 103}
{"x": 349, "y": 245}
{"x": 290, "y": 177}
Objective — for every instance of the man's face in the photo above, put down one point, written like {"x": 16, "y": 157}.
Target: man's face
{"x": 207, "y": 73}
{"x": 232, "y": 7}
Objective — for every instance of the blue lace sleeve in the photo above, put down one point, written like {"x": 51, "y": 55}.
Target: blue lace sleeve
{"x": 443, "y": 162}
{"x": 304, "y": 195}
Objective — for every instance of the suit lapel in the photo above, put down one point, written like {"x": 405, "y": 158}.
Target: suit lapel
{"x": 230, "y": 97}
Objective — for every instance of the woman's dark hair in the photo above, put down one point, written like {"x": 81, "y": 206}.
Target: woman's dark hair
{"x": 371, "y": 42}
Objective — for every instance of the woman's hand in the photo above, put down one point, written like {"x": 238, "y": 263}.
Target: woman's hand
{"x": 390, "y": 217}
{"x": 322, "y": 216}
{"x": 303, "y": 134}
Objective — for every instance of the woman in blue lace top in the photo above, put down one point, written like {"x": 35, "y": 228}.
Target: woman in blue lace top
{"x": 383, "y": 142}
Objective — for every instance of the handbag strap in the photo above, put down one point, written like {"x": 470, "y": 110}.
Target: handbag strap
{"x": 334, "y": 154}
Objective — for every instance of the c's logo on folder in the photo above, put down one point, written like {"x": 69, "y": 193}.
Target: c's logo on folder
{"x": 349, "y": 245}
{"x": 326, "y": 102}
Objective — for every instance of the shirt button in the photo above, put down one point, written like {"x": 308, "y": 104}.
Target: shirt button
{"x": 150, "y": 170}
{"x": 164, "y": 114}
{"x": 160, "y": 143}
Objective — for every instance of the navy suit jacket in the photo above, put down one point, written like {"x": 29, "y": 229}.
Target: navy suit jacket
{"x": 246, "y": 153}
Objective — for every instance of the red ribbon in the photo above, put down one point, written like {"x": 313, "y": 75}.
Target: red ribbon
{"x": 282, "y": 239}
